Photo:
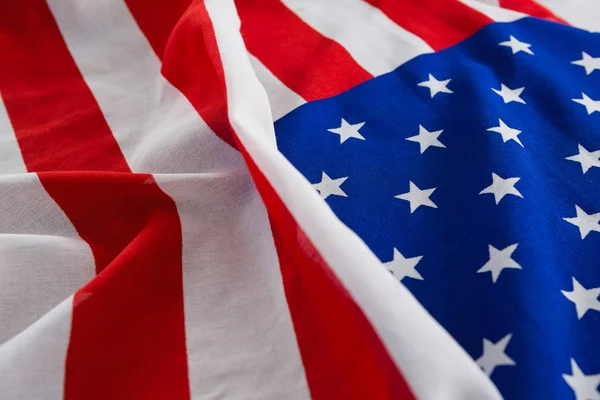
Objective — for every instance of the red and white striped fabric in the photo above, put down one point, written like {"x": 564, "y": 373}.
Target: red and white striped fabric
{"x": 153, "y": 241}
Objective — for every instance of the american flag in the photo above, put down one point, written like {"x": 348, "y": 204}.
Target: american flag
{"x": 294, "y": 199}
{"x": 474, "y": 175}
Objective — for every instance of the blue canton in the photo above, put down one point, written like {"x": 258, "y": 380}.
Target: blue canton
{"x": 474, "y": 174}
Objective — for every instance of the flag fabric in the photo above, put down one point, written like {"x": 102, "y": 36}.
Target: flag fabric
{"x": 473, "y": 174}
{"x": 269, "y": 199}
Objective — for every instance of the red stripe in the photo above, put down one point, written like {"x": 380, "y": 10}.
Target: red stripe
{"x": 440, "y": 23}
{"x": 127, "y": 336}
{"x": 128, "y": 332}
{"x": 531, "y": 7}
{"x": 40, "y": 82}
{"x": 307, "y": 62}
{"x": 342, "y": 355}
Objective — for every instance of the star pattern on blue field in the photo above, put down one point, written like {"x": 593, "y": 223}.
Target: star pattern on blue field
{"x": 478, "y": 187}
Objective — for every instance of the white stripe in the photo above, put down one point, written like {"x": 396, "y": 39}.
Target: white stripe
{"x": 494, "y": 12}
{"x": 374, "y": 41}
{"x": 239, "y": 335}
{"x": 490, "y": 2}
{"x": 582, "y": 13}
{"x": 11, "y": 160}
{"x": 156, "y": 127}
{"x": 42, "y": 258}
{"x": 433, "y": 363}
{"x": 32, "y": 364}
{"x": 281, "y": 98}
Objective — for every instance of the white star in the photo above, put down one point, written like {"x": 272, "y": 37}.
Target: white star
{"x": 585, "y": 222}
{"x": 587, "y": 159}
{"x": 584, "y": 299}
{"x": 347, "y": 131}
{"x": 329, "y": 186}
{"x": 509, "y": 95}
{"x": 436, "y": 86}
{"x": 589, "y": 63}
{"x": 493, "y": 355}
{"x": 501, "y": 187}
{"x": 506, "y": 132}
{"x": 402, "y": 267}
{"x": 591, "y": 106}
{"x": 417, "y": 197}
{"x": 499, "y": 260}
{"x": 427, "y": 139}
{"x": 584, "y": 386}
{"x": 516, "y": 45}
